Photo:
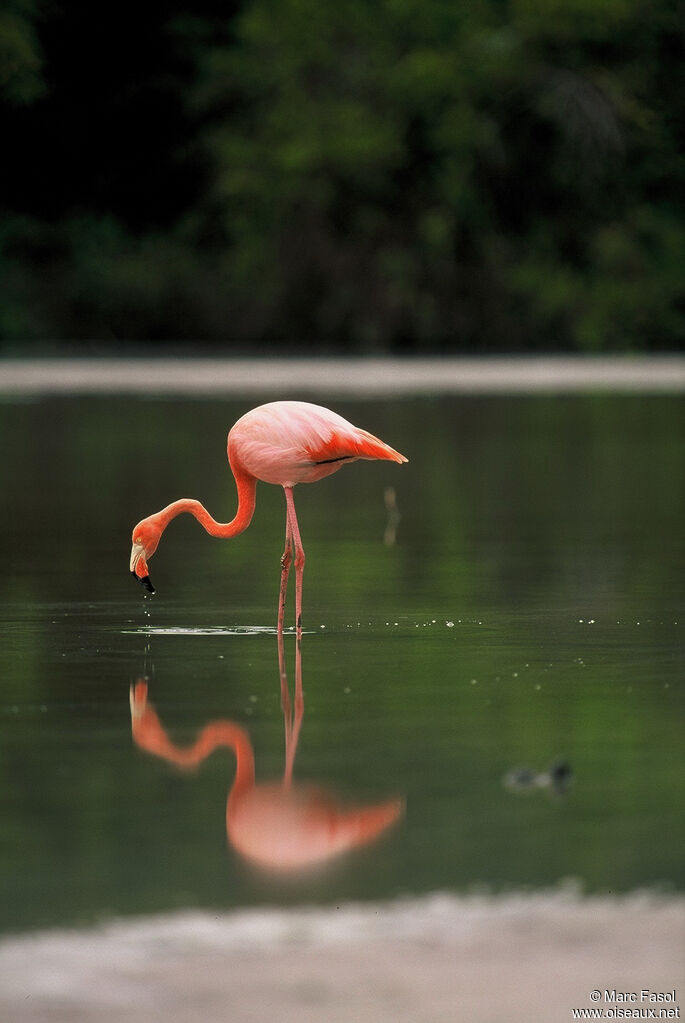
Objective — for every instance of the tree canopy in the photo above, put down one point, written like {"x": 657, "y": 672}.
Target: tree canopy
{"x": 408, "y": 175}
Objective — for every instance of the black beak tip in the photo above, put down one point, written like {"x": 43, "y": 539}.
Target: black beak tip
{"x": 144, "y": 581}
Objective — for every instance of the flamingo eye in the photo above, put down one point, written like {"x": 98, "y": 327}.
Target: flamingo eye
{"x": 138, "y": 539}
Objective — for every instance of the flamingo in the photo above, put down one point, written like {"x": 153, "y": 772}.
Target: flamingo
{"x": 284, "y": 443}
{"x": 281, "y": 826}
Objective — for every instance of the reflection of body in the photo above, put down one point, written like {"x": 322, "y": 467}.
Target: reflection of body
{"x": 282, "y": 826}
{"x": 285, "y": 443}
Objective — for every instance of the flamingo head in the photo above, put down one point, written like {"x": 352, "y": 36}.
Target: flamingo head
{"x": 145, "y": 538}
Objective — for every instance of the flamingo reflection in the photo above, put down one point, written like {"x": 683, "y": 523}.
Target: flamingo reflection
{"x": 278, "y": 826}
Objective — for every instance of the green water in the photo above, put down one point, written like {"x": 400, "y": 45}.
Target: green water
{"x": 531, "y": 610}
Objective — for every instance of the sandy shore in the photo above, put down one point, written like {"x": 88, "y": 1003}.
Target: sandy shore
{"x": 355, "y": 377}
{"x": 478, "y": 959}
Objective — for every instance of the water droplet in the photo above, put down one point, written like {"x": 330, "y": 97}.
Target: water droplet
{"x": 450, "y": 625}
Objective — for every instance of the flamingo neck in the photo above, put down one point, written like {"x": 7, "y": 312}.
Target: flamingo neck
{"x": 225, "y": 733}
{"x": 212, "y": 737}
{"x": 247, "y": 497}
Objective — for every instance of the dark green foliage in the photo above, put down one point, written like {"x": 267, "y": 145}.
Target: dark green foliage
{"x": 411, "y": 174}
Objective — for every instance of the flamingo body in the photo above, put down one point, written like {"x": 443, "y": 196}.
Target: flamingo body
{"x": 290, "y": 442}
{"x": 284, "y": 443}
{"x": 293, "y": 828}
{"x": 279, "y": 826}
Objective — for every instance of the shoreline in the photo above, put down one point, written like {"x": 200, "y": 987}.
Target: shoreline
{"x": 163, "y": 375}
{"x": 515, "y": 957}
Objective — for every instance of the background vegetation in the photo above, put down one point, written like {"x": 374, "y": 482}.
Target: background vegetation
{"x": 400, "y": 175}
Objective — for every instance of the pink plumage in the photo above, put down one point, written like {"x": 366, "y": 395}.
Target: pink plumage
{"x": 282, "y": 442}
{"x": 289, "y": 442}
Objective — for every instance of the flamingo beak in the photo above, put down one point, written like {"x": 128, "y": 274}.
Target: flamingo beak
{"x": 138, "y": 567}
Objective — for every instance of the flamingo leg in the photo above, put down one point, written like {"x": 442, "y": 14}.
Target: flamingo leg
{"x": 299, "y": 695}
{"x": 285, "y": 569}
{"x": 292, "y": 718}
{"x": 299, "y": 556}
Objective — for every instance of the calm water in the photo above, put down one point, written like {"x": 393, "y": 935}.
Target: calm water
{"x": 530, "y": 612}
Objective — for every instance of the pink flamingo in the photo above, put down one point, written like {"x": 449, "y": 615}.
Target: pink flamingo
{"x": 278, "y": 826}
{"x": 285, "y": 443}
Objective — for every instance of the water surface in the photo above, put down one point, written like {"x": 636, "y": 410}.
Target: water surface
{"x": 530, "y": 612}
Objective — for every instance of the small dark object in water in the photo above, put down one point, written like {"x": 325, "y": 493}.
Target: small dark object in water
{"x": 520, "y": 778}
{"x": 560, "y": 775}
{"x": 557, "y": 779}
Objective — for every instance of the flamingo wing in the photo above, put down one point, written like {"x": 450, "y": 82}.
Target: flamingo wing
{"x": 288, "y": 442}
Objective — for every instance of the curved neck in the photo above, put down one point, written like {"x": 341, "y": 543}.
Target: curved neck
{"x": 211, "y": 737}
{"x": 226, "y": 733}
{"x": 247, "y": 487}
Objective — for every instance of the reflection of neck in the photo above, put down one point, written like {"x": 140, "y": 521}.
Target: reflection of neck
{"x": 247, "y": 486}
{"x": 212, "y": 736}
{"x": 149, "y": 735}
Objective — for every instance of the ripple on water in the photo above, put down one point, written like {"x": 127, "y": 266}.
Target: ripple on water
{"x": 209, "y": 630}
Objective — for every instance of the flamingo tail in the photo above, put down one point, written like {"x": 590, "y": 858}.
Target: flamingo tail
{"x": 368, "y": 446}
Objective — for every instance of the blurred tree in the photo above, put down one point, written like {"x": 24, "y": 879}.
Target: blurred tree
{"x": 409, "y": 174}
{"x": 20, "y": 54}
{"x": 425, "y": 173}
